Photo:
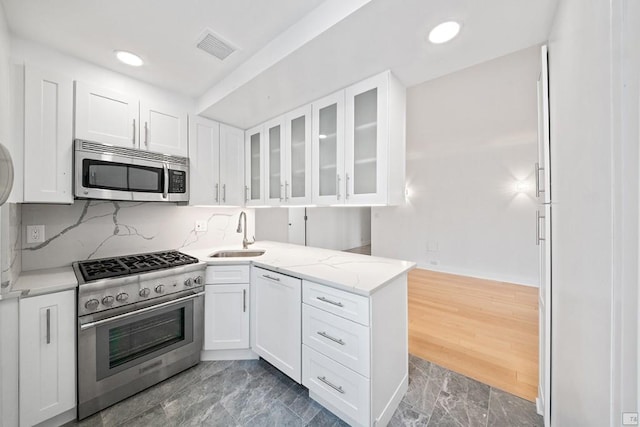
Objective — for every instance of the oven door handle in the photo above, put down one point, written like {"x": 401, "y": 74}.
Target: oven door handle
{"x": 136, "y": 312}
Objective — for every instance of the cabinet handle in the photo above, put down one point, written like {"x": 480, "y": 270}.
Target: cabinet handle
{"x": 133, "y": 140}
{"x": 338, "y": 186}
{"x": 48, "y": 326}
{"x": 266, "y": 276}
{"x": 329, "y": 337}
{"x": 217, "y": 191}
{"x": 281, "y": 187}
{"x": 538, "y": 218}
{"x": 146, "y": 134}
{"x": 246, "y": 193}
{"x": 224, "y": 193}
{"x": 346, "y": 187}
{"x": 323, "y": 299}
{"x": 286, "y": 191}
{"x": 244, "y": 300}
{"x": 538, "y": 190}
{"x": 333, "y": 386}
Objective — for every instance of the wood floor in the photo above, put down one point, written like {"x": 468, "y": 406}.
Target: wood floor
{"x": 483, "y": 329}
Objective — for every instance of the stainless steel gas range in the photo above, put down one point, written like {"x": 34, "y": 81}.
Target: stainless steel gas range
{"x": 140, "y": 321}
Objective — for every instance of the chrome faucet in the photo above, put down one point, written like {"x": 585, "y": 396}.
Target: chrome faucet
{"x": 245, "y": 242}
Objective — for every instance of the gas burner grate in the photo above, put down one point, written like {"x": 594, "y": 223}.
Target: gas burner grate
{"x": 132, "y": 264}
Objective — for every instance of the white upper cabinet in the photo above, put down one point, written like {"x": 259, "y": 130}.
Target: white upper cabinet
{"x": 359, "y": 144}
{"x": 216, "y": 163}
{"x": 328, "y": 150}
{"x": 204, "y": 162}
{"x": 297, "y": 143}
{"x": 274, "y": 162}
{"x": 254, "y": 154}
{"x": 110, "y": 117}
{"x": 48, "y": 133}
{"x": 231, "y": 166}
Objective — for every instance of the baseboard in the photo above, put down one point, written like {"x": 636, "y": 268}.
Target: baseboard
{"x": 245, "y": 354}
{"x": 480, "y": 275}
{"x": 60, "y": 419}
{"x": 388, "y": 411}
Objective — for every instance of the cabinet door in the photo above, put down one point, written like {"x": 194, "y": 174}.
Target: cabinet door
{"x": 204, "y": 160}
{"x": 328, "y": 150}
{"x": 226, "y": 317}
{"x": 163, "y": 128}
{"x": 274, "y": 162}
{"x": 366, "y": 141}
{"x": 231, "y": 166}
{"x": 254, "y": 154}
{"x": 47, "y": 356}
{"x": 543, "y": 166}
{"x": 297, "y": 181}
{"x": 106, "y": 116}
{"x": 48, "y": 136}
{"x": 276, "y": 313}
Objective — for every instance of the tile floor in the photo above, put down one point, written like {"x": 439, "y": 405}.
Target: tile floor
{"x": 253, "y": 393}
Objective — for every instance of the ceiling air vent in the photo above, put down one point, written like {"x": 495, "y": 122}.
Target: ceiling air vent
{"x": 214, "y": 45}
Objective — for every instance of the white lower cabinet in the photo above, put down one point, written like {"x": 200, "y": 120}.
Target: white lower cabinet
{"x": 276, "y": 301}
{"x": 47, "y": 356}
{"x": 226, "y": 320}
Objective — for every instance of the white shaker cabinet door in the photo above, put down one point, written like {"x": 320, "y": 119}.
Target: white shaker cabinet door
{"x": 163, "y": 128}
{"x": 47, "y": 356}
{"x": 48, "y": 136}
{"x": 226, "y": 321}
{"x": 106, "y": 116}
{"x": 204, "y": 160}
{"x": 231, "y": 166}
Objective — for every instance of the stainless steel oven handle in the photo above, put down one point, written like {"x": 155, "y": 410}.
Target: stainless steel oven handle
{"x": 136, "y": 312}
{"x": 165, "y": 192}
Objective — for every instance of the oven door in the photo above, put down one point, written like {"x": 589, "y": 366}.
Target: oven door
{"x": 121, "y": 355}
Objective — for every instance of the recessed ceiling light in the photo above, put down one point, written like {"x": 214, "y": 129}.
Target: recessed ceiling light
{"x": 129, "y": 58}
{"x": 444, "y": 32}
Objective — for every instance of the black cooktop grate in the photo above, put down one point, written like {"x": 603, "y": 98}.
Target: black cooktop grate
{"x": 131, "y": 264}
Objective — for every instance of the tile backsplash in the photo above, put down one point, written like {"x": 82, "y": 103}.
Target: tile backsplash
{"x": 91, "y": 229}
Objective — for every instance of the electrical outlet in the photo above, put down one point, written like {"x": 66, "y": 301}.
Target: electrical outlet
{"x": 629, "y": 418}
{"x": 35, "y": 233}
{"x": 201, "y": 226}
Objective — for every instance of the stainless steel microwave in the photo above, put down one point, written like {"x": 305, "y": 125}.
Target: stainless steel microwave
{"x": 110, "y": 172}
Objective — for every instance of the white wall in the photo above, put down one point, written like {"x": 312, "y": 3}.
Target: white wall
{"x": 471, "y": 136}
{"x": 594, "y": 160}
{"x": 338, "y": 228}
{"x": 272, "y": 224}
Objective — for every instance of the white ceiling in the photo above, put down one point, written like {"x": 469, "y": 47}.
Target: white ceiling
{"x": 382, "y": 34}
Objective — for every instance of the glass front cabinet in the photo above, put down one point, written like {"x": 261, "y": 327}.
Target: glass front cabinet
{"x": 254, "y": 154}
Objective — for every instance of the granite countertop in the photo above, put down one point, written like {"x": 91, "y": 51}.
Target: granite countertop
{"x": 360, "y": 274}
{"x": 46, "y": 281}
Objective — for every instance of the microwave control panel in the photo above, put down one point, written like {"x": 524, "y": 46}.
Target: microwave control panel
{"x": 177, "y": 181}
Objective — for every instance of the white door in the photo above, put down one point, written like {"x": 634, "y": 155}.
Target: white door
{"x": 276, "y": 313}
{"x": 163, "y": 129}
{"x": 106, "y": 116}
{"x": 274, "y": 164}
{"x": 48, "y": 136}
{"x": 328, "y": 150}
{"x": 297, "y": 231}
{"x": 226, "y": 317}
{"x": 297, "y": 182}
{"x": 543, "y": 167}
{"x": 204, "y": 171}
{"x": 231, "y": 166}
{"x": 253, "y": 168}
{"x": 47, "y": 356}
{"x": 366, "y": 141}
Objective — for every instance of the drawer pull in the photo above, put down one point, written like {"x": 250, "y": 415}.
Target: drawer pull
{"x": 329, "y": 337}
{"x": 266, "y": 276}
{"x": 323, "y": 299}
{"x": 333, "y": 386}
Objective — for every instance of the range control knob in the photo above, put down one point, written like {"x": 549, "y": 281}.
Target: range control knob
{"x": 160, "y": 289}
{"x": 144, "y": 292}
{"x": 122, "y": 297}
{"x": 198, "y": 280}
{"x": 108, "y": 301}
{"x": 188, "y": 282}
{"x": 92, "y": 304}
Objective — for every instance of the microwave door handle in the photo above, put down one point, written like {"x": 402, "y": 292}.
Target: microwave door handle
{"x": 165, "y": 191}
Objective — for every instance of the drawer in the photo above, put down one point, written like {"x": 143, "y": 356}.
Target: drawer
{"x": 225, "y": 274}
{"x": 337, "y": 387}
{"x": 340, "y": 339}
{"x": 344, "y": 304}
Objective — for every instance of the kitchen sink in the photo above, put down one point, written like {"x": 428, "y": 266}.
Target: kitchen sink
{"x": 237, "y": 254}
